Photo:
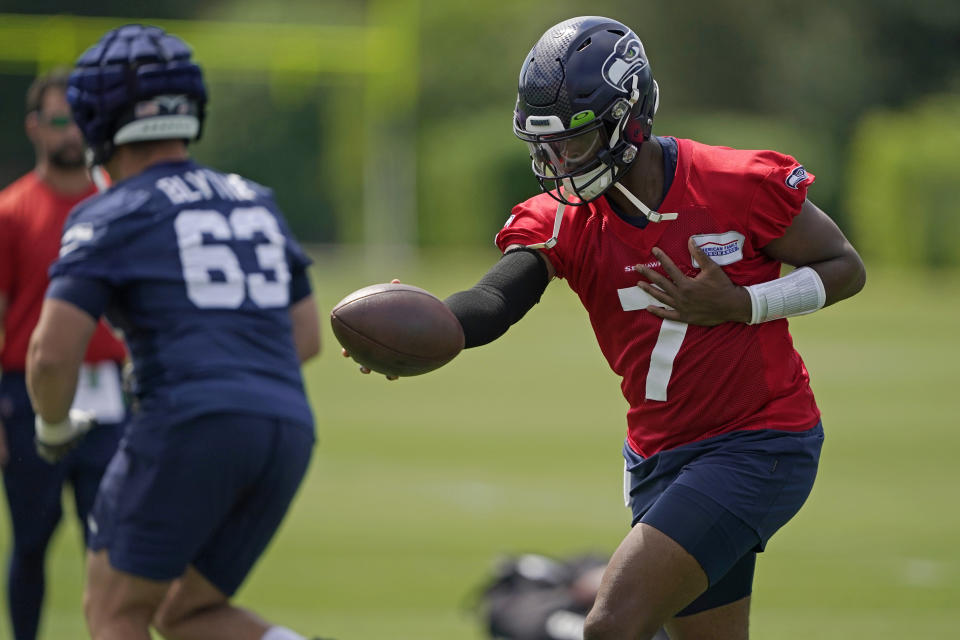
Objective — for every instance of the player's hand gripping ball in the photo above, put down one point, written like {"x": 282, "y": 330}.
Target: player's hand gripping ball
{"x": 397, "y": 329}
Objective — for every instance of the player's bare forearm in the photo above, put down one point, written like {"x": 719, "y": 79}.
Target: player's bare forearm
{"x": 843, "y": 276}
{"x": 814, "y": 240}
{"x": 56, "y": 351}
{"x": 306, "y": 328}
{"x": 52, "y": 388}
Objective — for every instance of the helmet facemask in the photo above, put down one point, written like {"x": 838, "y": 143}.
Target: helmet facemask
{"x": 585, "y": 103}
{"x": 583, "y": 162}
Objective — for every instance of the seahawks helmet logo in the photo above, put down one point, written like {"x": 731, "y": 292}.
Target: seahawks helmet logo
{"x": 625, "y": 61}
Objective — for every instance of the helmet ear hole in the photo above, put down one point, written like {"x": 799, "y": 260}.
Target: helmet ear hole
{"x": 640, "y": 124}
{"x": 633, "y": 132}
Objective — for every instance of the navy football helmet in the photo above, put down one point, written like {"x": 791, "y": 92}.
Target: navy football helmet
{"x": 586, "y": 100}
{"x": 137, "y": 83}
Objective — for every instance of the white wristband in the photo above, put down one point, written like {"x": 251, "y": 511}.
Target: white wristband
{"x": 795, "y": 294}
{"x": 56, "y": 433}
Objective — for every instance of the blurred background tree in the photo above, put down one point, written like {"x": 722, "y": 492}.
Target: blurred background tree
{"x": 839, "y": 85}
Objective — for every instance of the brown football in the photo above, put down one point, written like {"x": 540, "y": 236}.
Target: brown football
{"x": 397, "y": 329}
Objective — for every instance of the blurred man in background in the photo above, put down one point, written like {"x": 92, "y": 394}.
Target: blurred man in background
{"x": 32, "y": 212}
{"x": 724, "y": 435}
{"x": 200, "y": 272}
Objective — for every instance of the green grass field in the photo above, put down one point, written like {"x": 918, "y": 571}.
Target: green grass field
{"x": 417, "y": 485}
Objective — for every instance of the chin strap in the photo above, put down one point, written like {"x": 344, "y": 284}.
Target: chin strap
{"x": 652, "y": 216}
{"x": 552, "y": 242}
{"x": 631, "y": 102}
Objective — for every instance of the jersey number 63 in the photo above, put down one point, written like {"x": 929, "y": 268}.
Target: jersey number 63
{"x": 201, "y": 260}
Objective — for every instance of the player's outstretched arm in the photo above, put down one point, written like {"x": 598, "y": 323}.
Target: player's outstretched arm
{"x": 480, "y": 314}
{"x": 504, "y": 295}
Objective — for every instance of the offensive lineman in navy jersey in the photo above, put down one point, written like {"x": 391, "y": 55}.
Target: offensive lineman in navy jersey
{"x": 200, "y": 272}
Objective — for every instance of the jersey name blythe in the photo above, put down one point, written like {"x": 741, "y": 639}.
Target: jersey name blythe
{"x": 686, "y": 383}
{"x": 200, "y": 265}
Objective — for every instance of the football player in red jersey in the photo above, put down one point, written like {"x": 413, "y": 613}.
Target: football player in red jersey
{"x": 32, "y": 213}
{"x": 675, "y": 249}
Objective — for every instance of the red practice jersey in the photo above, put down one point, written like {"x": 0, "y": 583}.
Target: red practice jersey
{"x": 31, "y": 222}
{"x": 685, "y": 383}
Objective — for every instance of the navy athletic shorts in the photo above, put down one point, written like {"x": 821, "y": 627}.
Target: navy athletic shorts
{"x": 722, "y": 499}
{"x": 208, "y": 493}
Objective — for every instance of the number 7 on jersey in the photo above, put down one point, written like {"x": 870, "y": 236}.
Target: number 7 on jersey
{"x": 668, "y": 343}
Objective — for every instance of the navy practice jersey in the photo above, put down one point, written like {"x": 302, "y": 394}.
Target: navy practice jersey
{"x": 198, "y": 270}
